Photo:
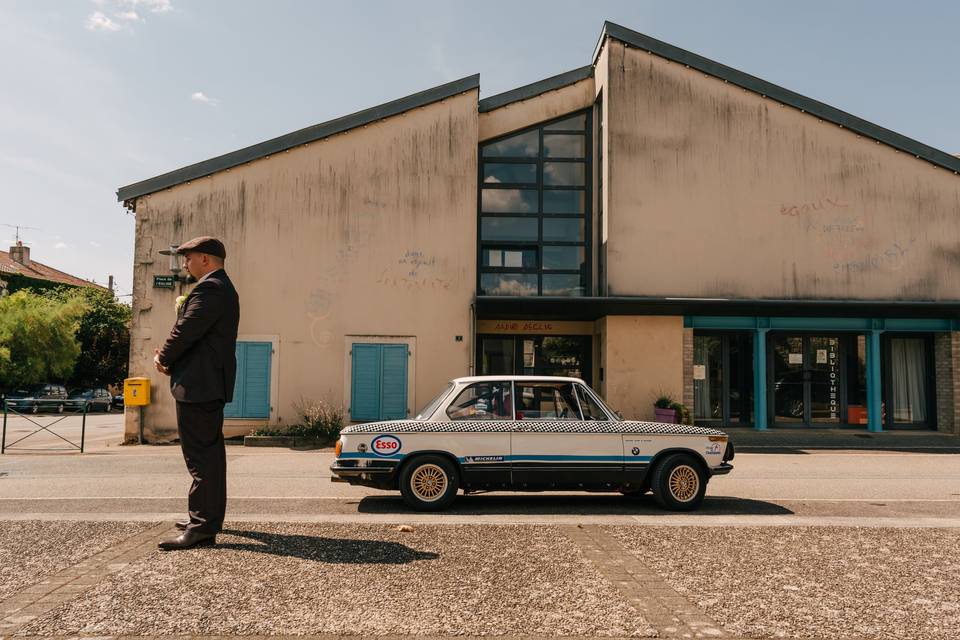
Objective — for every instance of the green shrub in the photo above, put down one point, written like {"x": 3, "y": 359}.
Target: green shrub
{"x": 319, "y": 420}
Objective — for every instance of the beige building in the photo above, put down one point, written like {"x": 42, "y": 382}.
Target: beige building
{"x": 654, "y": 222}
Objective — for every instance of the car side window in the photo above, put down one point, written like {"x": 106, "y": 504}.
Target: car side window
{"x": 591, "y": 410}
{"x": 546, "y": 401}
{"x": 482, "y": 401}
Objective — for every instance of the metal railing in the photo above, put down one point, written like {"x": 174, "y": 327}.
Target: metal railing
{"x": 30, "y": 408}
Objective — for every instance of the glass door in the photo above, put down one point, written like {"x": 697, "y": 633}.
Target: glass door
{"x": 535, "y": 355}
{"x": 806, "y": 383}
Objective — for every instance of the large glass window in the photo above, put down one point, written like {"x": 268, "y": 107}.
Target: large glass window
{"x": 534, "y": 192}
{"x": 723, "y": 378}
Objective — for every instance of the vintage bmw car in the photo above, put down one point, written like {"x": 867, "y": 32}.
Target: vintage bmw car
{"x": 529, "y": 433}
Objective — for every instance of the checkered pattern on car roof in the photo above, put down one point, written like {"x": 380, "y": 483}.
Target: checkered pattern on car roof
{"x": 528, "y": 426}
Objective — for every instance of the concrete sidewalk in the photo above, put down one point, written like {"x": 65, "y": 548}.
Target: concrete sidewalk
{"x": 749, "y": 440}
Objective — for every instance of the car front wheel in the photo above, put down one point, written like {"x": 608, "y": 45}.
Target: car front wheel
{"x": 679, "y": 483}
{"x": 429, "y": 483}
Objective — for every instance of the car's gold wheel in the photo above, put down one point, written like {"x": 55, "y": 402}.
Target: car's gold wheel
{"x": 429, "y": 482}
{"x": 684, "y": 483}
{"x": 679, "y": 482}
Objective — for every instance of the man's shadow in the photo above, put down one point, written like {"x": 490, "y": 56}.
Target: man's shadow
{"x": 321, "y": 549}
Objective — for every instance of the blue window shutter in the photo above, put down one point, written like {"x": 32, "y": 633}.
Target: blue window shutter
{"x": 234, "y": 409}
{"x": 365, "y": 382}
{"x": 256, "y": 383}
{"x": 251, "y": 391}
{"x": 394, "y": 382}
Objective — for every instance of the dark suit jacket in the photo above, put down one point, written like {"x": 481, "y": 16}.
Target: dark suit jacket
{"x": 201, "y": 350}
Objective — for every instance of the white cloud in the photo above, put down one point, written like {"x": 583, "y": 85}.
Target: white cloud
{"x": 95, "y": 244}
{"x": 98, "y": 21}
{"x": 201, "y": 97}
{"x": 128, "y": 16}
{"x": 60, "y": 245}
{"x": 125, "y": 12}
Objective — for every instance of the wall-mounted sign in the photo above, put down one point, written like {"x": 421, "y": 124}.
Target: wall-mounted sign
{"x": 795, "y": 358}
{"x": 699, "y": 372}
{"x": 821, "y": 356}
{"x": 163, "y": 282}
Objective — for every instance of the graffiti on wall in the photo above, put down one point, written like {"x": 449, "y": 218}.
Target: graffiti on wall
{"x": 841, "y": 231}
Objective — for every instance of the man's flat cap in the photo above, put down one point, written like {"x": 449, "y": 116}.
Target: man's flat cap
{"x": 204, "y": 244}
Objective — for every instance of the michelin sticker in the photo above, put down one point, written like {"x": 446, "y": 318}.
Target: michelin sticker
{"x": 472, "y": 459}
{"x": 386, "y": 445}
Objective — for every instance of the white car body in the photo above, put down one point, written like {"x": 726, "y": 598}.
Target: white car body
{"x": 518, "y": 448}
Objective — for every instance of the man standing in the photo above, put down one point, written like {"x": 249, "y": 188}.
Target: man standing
{"x": 200, "y": 358}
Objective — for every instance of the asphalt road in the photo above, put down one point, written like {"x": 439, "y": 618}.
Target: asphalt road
{"x": 112, "y": 481}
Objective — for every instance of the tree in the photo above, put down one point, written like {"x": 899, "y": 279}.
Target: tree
{"x": 38, "y": 338}
{"x": 104, "y": 336}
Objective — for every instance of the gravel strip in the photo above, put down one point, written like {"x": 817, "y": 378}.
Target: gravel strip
{"x": 357, "y": 579}
{"x": 32, "y": 550}
{"x": 812, "y": 582}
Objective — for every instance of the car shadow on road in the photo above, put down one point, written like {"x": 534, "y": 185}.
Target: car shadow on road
{"x": 324, "y": 549}
{"x": 575, "y": 505}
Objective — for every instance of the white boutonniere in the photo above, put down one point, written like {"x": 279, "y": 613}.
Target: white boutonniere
{"x": 180, "y": 301}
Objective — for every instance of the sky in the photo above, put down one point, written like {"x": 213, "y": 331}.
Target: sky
{"x": 98, "y": 94}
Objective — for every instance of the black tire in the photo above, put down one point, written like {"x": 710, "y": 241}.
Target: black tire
{"x": 60, "y": 408}
{"x": 679, "y": 482}
{"x": 36, "y": 408}
{"x": 429, "y": 483}
{"x": 108, "y": 408}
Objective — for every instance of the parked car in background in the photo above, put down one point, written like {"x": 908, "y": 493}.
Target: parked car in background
{"x": 97, "y": 399}
{"x": 118, "y": 401}
{"x": 46, "y": 398}
{"x": 529, "y": 433}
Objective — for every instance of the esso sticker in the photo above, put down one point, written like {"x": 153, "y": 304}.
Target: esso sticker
{"x": 385, "y": 445}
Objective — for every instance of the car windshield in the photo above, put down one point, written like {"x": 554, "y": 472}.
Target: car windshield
{"x": 591, "y": 406}
{"x": 431, "y": 407}
{"x": 81, "y": 393}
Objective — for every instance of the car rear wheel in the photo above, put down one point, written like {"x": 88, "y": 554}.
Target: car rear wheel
{"x": 429, "y": 483}
{"x": 109, "y": 407}
{"x": 679, "y": 483}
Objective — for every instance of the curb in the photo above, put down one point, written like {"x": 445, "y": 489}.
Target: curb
{"x": 285, "y": 441}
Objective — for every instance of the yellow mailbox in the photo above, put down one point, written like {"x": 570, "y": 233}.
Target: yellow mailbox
{"x": 136, "y": 392}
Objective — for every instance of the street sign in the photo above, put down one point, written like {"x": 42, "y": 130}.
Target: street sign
{"x": 163, "y": 282}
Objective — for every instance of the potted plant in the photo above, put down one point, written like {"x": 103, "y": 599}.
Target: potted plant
{"x": 683, "y": 414}
{"x": 663, "y": 408}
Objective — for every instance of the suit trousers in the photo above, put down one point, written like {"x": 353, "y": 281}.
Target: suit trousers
{"x": 200, "y": 425}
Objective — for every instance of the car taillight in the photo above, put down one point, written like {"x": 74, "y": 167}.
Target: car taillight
{"x": 339, "y": 447}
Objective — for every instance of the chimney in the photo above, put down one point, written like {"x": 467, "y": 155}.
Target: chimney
{"x": 110, "y": 283}
{"x": 20, "y": 253}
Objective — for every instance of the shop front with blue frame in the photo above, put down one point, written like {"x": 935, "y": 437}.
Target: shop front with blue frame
{"x": 766, "y": 371}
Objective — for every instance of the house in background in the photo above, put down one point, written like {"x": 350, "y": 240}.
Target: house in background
{"x": 19, "y": 271}
{"x": 653, "y": 221}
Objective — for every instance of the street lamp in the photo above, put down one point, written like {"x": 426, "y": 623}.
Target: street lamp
{"x": 174, "y": 262}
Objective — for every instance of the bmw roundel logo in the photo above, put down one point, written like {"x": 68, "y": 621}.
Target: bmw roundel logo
{"x": 635, "y": 451}
{"x": 385, "y": 445}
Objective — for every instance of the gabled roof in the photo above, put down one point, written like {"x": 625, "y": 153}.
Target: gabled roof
{"x": 40, "y": 271}
{"x": 776, "y": 92}
{"x": 536, "y": 88}
{"x": 297, "y": 138}
{"x": 611, "y": 30}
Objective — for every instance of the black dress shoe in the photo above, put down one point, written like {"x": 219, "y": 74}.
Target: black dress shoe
{"x": 188, "y": 540}
{"x": 182, "y": 524}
